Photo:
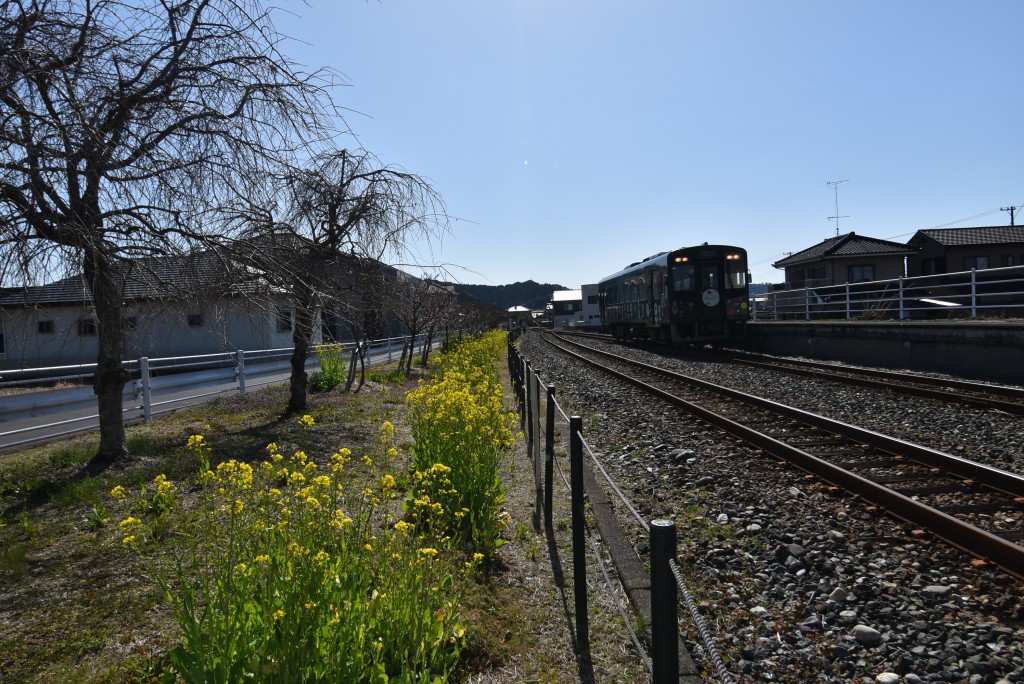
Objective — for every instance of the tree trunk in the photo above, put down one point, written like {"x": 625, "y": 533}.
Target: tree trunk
{"x": 428, "y": 342}
{"x": 302, "y": 333}
{"x": 358, "y": 357}
{"x": 412, "y": 352}
{"x": 103, "y": 279}
{"x": 401, "y": 360}
{"x": 352, "y": 369}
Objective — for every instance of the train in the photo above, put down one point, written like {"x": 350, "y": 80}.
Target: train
{"x": 693, "y": 295}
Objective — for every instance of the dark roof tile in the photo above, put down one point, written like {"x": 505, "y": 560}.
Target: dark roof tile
{"x": 958, "y": 237}
{"x": 846, "y": 245}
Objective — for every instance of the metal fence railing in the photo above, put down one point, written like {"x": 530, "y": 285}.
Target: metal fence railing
{"x": 535, "y": 400}
{"x": 158, "y": 385}
{"x": 996, "y": 292}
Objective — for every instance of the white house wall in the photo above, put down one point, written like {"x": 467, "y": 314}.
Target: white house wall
{"x": 160, "y": 329}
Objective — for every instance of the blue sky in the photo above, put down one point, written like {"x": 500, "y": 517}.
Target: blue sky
{"x": 572, "y": 137}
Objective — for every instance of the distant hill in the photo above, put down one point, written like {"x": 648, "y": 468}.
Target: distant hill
{"x": 530, "y": 294}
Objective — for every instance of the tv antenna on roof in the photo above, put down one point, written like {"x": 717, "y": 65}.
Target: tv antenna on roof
{"x": 835, "y": 186}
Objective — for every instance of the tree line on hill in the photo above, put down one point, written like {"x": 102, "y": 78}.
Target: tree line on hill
{"x": 531, "y": 294}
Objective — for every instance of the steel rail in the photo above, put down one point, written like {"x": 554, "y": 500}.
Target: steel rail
{"x": 897, "y": 382}
{"x": 996, "y": 478}
{"x": 906, "y": 383}
{"x": 957, "y": 533}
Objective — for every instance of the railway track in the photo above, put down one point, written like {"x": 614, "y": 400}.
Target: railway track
{"x": 962, "y": 392}
{"x": 975, "y": 507}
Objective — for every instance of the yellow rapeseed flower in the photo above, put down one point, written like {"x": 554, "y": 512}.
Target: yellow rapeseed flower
{"x": 306, "y": 420}
{"x": 118, "y": 492}
{"x": 128, "y": 522}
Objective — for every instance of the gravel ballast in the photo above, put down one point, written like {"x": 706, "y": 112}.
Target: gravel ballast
{"x": 800, "y": 581}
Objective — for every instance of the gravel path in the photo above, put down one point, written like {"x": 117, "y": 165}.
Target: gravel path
{"x": 800, "y": 581}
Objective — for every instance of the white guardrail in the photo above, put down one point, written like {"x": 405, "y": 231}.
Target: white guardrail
{"x": 995, "y": 292}
{"x": 158, "y": 386}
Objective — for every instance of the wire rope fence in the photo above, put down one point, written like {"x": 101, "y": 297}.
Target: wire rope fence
{"x": 666, "y": 580}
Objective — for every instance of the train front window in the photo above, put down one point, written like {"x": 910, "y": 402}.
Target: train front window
{"x": 682, "y": 277}
{"x": 736, "y": 274}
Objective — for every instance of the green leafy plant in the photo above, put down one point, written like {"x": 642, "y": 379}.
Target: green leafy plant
{"x": 285, "y": 575}
{"x": 97, "y": 516}
{"x": 461, "y": 433}
{"x": 332, "y": 368}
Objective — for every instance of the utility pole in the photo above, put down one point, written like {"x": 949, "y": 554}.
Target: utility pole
{"x": 835, "y": 186}
{"x": 1011, "y": 210}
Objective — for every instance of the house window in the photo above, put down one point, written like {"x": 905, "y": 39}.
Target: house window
{"x": 87, "y": 327}
{"x": 861, "y": 274}
{"x": 44, "y": 327}
{"x": 977, "y": 262}
{"x": 591, "y": 299}
{"x": 195, "y": 320}
{"x": 933, "y": 266}
{"x": 284, "y": 319}
{"x": 1007, "y": 260}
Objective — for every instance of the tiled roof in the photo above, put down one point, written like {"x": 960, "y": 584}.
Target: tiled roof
{"x": 149, "y": 278}
{"x": 957, "y": 237}
{"x": 847, "y": 245}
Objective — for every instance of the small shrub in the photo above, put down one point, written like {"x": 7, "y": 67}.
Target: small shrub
{"x": 332, "y": 368}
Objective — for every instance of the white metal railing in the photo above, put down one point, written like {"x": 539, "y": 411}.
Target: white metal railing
{"x": 996, "y": 292}
{"x": 158, "y": 386}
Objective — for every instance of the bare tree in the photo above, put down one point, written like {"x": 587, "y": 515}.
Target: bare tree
{"x": 121, "y": 122}
{"x": 342, "y": 204}
{"x": 419, "y": 305}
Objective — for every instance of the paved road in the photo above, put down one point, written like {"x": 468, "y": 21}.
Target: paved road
{"x": 35, "y": 417}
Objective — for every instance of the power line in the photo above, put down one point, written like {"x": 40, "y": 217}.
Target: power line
{"x": 969, "y": 218}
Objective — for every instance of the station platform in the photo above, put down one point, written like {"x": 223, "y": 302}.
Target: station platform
{"x": 979, "y": 349}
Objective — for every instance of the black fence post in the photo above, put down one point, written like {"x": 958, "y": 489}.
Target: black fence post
{"x": 524, "y": 375}
{"x": 549, "y": 454}
{"x": 535, "y": 446}
{"x": 527, "y": 417}
{"x": 579, "y": 550}
{"x": 664, "y": 601}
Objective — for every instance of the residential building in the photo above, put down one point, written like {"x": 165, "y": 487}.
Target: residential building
{"x": 590, "y": 314}
{"x": 174, "y": 306}
{"x": 952, "y": 250}
{"x": 565, "y": 305}
{"x": 848, "y": 258}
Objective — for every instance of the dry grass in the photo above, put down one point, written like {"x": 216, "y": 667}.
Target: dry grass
{"x": 76, "y": 606}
